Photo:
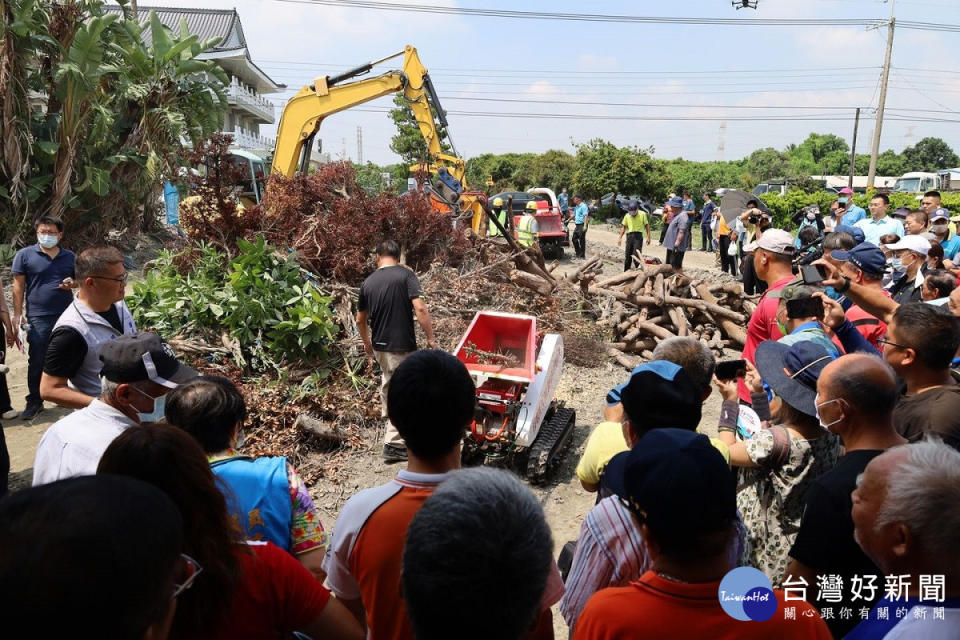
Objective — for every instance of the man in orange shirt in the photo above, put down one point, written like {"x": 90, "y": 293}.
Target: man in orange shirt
{"x": 363, "y": 563}
{"x": 430, "y": 401}
{"x": 682, "y": 496}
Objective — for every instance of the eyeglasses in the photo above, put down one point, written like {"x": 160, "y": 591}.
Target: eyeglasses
{"x": 883, "y": 341}
{"x": 122, "y": 278}
{"x": 192, "y": 570}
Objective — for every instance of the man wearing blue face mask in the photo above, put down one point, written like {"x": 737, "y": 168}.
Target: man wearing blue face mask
{"x": 138, "y": 370}
{"x": 42, "y": 280}
{"x": 852, "y": 213}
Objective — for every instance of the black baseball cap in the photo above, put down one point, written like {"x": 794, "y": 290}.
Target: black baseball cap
{"x": 138, "y": 357}
{"x": 660, "y": 394}
{"x": 676, "y": 482}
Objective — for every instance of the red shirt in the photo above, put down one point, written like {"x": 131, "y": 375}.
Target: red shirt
{"x": 870, "y": 327}
{"x": 762, "y": 327}
{"x": 653, "y": 607}
{"x": 276, "y": 595}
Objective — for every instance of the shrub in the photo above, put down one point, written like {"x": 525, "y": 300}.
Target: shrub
{"x": 261, "y": 298}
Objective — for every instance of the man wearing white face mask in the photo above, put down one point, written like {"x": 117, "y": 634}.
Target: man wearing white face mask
{"x": 940, "y": 227}
{"x": 138, "y": 370}
{"x": 855, "y": 398}
{"x": 908, "y": 260}
{"x": 42, "y": 278}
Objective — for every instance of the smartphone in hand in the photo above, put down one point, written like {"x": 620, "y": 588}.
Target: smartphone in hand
{"x": 730, "y": 369}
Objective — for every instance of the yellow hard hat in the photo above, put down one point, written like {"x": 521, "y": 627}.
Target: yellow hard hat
{"x": 532, "y": 205}
{"x": 498, "y": 202}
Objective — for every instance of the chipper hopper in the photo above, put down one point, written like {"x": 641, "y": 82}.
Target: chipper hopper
{"x": 517, "y": 424}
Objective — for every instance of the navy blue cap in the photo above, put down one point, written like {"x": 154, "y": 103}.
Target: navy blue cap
{"x": 856, "y": 232}
{"x": 865, "y": 256}
{"x": 675, "y": 482}
{"x": 939, "y": 213}
{"x": 660, "y": 394}
{"x": 792, "y": 371}
{"x": 675, "y": 201}
{"x": 901, "y": 212}
{"x": 613, "y": 396}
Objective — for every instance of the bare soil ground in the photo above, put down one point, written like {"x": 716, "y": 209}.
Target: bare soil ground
{"x": 563, "y": 499}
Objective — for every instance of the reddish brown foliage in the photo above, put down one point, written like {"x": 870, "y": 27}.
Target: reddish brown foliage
{"x": 334, "y": 225}
{"x": 212, "y": 212}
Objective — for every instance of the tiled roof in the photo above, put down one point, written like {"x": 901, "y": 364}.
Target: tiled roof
{"x": 204, "y": 23}
{"x": 207, "y": 24}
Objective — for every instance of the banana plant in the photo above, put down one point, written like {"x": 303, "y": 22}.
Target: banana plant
{"x": 24, "y": 37}
{"x": 80, "y": 77}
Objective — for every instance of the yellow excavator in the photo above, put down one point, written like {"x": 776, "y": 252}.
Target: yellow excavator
{"x": 305, "y": 112}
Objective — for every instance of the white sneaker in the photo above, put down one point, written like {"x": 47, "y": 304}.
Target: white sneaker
{"x": 10, "y": 415}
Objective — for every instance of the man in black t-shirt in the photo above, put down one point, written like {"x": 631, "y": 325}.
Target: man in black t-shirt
{"x": 855, "y": 398}
{"x": 389, "y": 298}
{"x": 71, "y": 368}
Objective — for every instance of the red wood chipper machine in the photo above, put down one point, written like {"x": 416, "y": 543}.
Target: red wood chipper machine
{"x": 518, "y": 424}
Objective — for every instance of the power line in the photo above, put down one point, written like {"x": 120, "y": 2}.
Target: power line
{"x": 812, "y": 70}
{"x": 594, "y": 17}
{"x": 624, "y": 18}
{"x": 641, "y": 104}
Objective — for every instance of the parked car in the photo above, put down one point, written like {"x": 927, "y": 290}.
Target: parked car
{"x": 520, "y": 200}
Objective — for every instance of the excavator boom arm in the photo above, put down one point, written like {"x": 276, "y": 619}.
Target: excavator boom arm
{"x": 304, "y": 113}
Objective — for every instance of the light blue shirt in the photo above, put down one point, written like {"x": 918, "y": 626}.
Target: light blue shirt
{"x": 853, "y": 215}
{"x": 580, "y": 213}
{"x": 688, "y": 205}
{"x": 563, "y": 201}
{"x": 951, "y": 247}
{"x": 874, "y": 229}
{"x": 813, "y": 332}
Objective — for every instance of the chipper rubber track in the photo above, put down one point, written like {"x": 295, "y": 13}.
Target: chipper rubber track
{"x": 545, "y": 450}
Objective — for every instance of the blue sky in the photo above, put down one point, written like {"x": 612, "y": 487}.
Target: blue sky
{"x": 712, "y": 70}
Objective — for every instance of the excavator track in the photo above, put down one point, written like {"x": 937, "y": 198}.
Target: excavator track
{"x": 550, "y": 440}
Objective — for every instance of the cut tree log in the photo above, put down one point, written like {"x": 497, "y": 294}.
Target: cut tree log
{"x": 321, "y": 429}
{"x": 734, "y": 331}
{"x": 622, "y": 358}
{"x": 531, "y": 281}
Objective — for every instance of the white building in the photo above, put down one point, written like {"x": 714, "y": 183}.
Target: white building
{"x": 248, "y": 108}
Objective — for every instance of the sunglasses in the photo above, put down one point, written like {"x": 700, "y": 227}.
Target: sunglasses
{"x": 191, "y": 570}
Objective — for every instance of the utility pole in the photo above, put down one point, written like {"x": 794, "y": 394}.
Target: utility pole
{"x": 853, "y": 149}
{"x": 875, "y": 150}
{"x": 359, "y": 145}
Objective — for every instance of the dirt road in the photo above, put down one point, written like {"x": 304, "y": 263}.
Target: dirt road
{"x": 563, "y": 499}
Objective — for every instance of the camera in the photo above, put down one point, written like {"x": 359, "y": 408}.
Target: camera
{"x": 753, "y": 219}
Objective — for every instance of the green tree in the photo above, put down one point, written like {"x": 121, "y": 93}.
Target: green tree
{"x": 602, "y": 167}
{"x": 766, "y": 164}
{"x": 553, "y": 169}
{"x": 930, "y": 154}
{"x": 891, "y": 163}
{"x": 408, "y": 142}
{"x": 819, "y": 146}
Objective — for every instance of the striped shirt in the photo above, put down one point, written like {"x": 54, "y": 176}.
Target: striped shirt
{"x": 609, "y": 553}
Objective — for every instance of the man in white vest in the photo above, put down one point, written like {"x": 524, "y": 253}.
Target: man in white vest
{"x": 71, "y": 369}
{"x": 138, "y": 371}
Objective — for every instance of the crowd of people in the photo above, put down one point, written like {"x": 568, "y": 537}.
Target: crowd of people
{"x": 832, "y": 471}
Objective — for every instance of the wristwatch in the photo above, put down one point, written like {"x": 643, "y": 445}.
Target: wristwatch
{"x": 845, "y": 286}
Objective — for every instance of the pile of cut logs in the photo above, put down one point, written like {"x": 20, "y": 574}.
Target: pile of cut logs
{"x": 645, "y": 305}
{"x": 651, "y": 303}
